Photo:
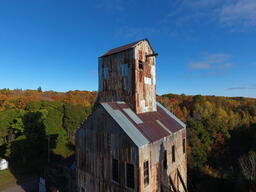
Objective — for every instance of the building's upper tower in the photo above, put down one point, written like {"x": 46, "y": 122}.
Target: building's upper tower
{"x": 127, "y": 73}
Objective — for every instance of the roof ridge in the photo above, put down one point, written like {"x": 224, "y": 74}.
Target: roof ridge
{"x": 122, "y": 48}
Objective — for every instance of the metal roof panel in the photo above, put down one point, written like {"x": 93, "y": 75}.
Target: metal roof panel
{"x": 135, "y": 135}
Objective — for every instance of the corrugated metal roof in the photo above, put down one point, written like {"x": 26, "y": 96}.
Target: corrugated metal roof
{"x": 132, "y": 115}
{"x": 147, "y": 127}
{"x": 128, "y": 127}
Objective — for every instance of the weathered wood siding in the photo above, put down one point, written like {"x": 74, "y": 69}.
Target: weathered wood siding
{"x": 98, "y": 141}
{"x": 116, "y": 77}
{"x": 122, "y": 79}
{"x": 154, "y": 153}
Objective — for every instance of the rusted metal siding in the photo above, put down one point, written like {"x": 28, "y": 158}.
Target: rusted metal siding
{"x": 145, "y": 79}
{"x": 98, "y": 141}
{"x": 116, "y": 77}
{"x": 154, "y": 153}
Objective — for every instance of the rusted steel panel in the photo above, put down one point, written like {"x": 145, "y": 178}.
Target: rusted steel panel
{"x": 153, "y": 131}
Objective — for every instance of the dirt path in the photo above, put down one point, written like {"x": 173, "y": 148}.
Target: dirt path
{"x": 30, "y": 185}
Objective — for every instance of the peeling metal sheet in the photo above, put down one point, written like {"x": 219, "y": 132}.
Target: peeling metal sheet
{"x": 133, "y": 116}
{"x": 126, "y": 125}
{"x": 147, "y": 81}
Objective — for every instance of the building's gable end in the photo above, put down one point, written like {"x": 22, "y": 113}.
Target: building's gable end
{"x": 145, "y": 41}
{"x": 132, "y": 132}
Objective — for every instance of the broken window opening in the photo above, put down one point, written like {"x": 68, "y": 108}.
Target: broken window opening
{"x": 115, "y": 175}
{"x": 165, "y": 160}
{"x": 184, "y": 145}
{"x": 130, "y": 175}
{"x": 141, "y": 65}
{"x": 173, "y": 153}
{"x": 146, "y": 173}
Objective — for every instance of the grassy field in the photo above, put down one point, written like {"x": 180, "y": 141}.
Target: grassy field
{"x": 6, "y": 179}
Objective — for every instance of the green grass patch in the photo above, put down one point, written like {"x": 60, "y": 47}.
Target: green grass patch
{"x": 62, "y": 150}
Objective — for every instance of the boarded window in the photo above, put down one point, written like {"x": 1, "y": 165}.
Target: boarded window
{"x": 165, "y": 160}
{"x": 115, "y": 175}
{"x": 125, "y": 83}
{"x": 130, "y": 175}
{"x": 146, "y": 173}
{"x": 124, "y": 69}
{"x": 105, "y": 73}
{"x": 173, "y": 153}
{"x": 184, "y": 145}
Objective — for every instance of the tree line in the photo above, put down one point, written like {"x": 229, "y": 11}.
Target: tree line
{"x": 221, "y": 132}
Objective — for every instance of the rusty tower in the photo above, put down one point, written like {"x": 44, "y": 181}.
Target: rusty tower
{"x": 128, "y": 74}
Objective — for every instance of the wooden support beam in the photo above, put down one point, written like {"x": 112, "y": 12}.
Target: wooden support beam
{"x": 173, "y": 186}
{"x": 182, "y": 182}
{"x": 152, "y": 55}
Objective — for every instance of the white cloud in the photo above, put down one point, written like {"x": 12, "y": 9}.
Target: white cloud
{"x": 217, "y": 61}
{"x": 237, "y": 14}
{"x": 240, "y": 12}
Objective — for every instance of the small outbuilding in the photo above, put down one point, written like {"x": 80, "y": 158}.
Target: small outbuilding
{"x": 130, "y": 142}
{"x": 3, "y": 164}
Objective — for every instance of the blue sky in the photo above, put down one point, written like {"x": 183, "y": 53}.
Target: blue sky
{"x": 205, "y": 47}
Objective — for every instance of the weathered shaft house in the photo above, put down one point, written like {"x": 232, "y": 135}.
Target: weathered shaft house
{"x": 130, "y": 142}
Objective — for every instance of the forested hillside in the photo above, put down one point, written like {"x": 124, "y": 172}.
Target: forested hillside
{"x": 38, "y": 127}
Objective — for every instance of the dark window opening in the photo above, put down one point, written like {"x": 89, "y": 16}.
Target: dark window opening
{"x": 130, "y": 175}
{"x": 115, "y": 175}
{"x": 173, "y": 153}
{"x": 140, "y": 65}
{"x": 184, "y": 145}
{"x": 146, "y": 173}
{"x": 165, "y": 160}
{"x": 82, "y": 189}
